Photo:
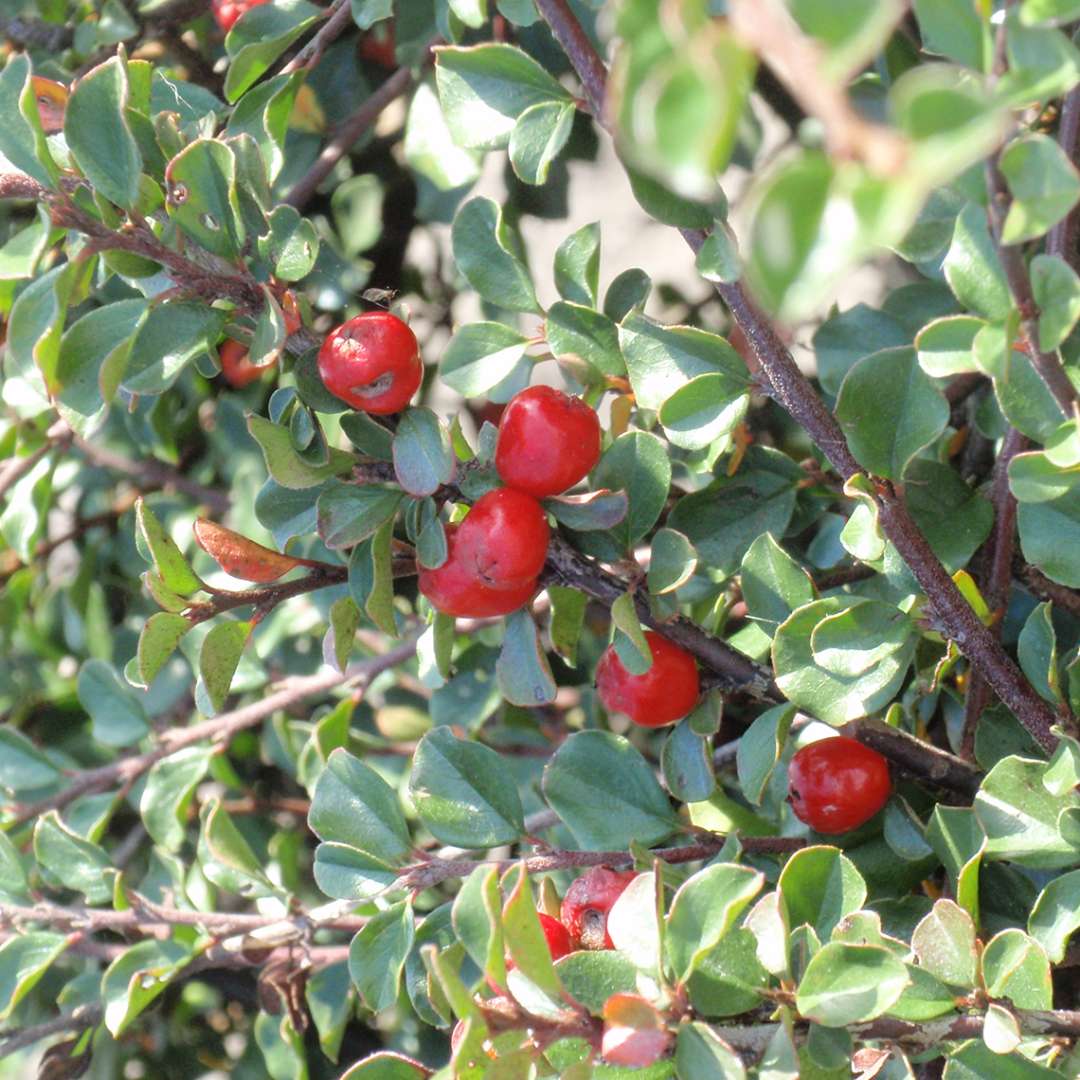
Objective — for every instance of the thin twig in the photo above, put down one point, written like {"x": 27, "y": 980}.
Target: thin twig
{"x": 998, "y": 553}
{"x": 84, "y": 1016}
{"x": 792, "y": 390}
{"x": 1038, "y": 584}
{"x": 338, "y": 18}
{"x": 1061, "y": 239}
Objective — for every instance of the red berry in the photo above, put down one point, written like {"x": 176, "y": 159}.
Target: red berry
{"x": 836, "y": 784}
{"x": 455, "y": 587}
{"x": 290, "y": 310}
{"x": 236, "y": 365}
{"x": 372, "y": 362}
{"x": 586, "y": 905}
{"x": 226, "y": 12}
{"x": 664, "y": 694}
{"x": 504, "y": 539}
{"x": 378, "y": 45}
{"x": 548, "y": 441}
{"x": 556, "y": 936}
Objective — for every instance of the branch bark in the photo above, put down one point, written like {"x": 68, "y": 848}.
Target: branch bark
{"x": 1062, "y": 238}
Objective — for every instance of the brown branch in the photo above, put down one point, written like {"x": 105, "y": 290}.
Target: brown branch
{"x": 767, "y": 28}
{"x": 1011, "y": 256}
{"x": 998, "y": 556}
{"x": 14, "y": 469}
{"x": 36, "y": 34}
{"x": 265, "y": 597}
{"x": 20, "y": 186}
{"x": 218, "y": 729}
{"x": 337, "y": 19}
{"x": 793, "y": 391}
{"x": 431, "y": 872}
{"x": 1061, "y": 239}
{"x": 1041, "y": 586}
{"x": 80, "y": 1018}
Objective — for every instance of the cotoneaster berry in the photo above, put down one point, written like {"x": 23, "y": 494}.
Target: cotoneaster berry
{"x": 504, "y": 538}
{"x": 837, "y": 784}
{"x": 585, "y": 906}
{"x": 372, "y": 362}
{"x": 226, "y": 12}
{"x": 455, "y": 587}
{"x": 378, "y": 45}
{"x": 663, "y": 694}
{"x": 236, "y": 365}
{"x": 548, "y": 441}
{"x": 556, "y": 936}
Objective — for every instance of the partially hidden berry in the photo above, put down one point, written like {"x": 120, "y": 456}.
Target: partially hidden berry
{"x": 663, "y": 694}
{"x": 837, "y": 784}
{"x": 588, "y": 901}
{"x": 372, "y": 362}
{"x": 455, "y": 587}
{"x": 504, "y": 538}
{"x": 236, "y": 364}
{"x": 548, "y": 441}
{"x": 226, "y": 12}
{"x": 378, "y": 45}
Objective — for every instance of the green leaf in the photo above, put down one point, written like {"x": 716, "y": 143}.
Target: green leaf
{"x": 1042, "y": 63}
{"x": 538, "y": 138}
{"x": 972, "y": 268}
{"x": 157, "y": 642}
{"x": 700, "y": 1054}
{"x": 567, "y": 620}
{"x": 260, "y": 37}
{"x": 575, "y": 331}
{"x": 773, "y": 583}
{"x": 1057, "y": 292}
{"x": 377, "y": 955}
{"x": 1020, "y": 816}
{"x": 98, "y": 134}
{"x": 423, "y": 457}
{"x": 116, "y": 714}
{"x": 848, "y": 336}
{"x": 627, "y": 292}
{"x": 719, "y": 259}
{"x": 24, "y": 959}
{"x": 464, "y": 793}
{"x": 14, "y": 884}
{"x": 1044, "y": 185}
{"x": 1033, "y": 12}
{"x": 264, "y": 115}
{"x": 596, "y": 510}
{"x": 605, "y": 792}
{"x": 485, "y": 88}
{"x": 706, "y": 409}
{"x": 288, "y": 468}
{"x": 592, "y": 977}
{"x": 1036, "y": 650}
{"x": 819, "y": 886}
{"x": 386, "y": 1065}
{"x": 522, "y": 670}
{"x": 481, "y": 355}
{"x": 351, "y": 513}
{"x": 634, "y": 923}
{"x": 429, "y": 147}
{"x": 944, "y": 345}
{"x": 225, "y": 857}
{"x": 849, "y": 984}
{"x": 484, "y": 253}
{"x": 23, "y": 766}
{"x": 22, "y": 141}
{"x": 1050, "y": 535}
{"x": 203, "y": 199}
{"x": 890, "y": 409}
{"x": 166, "y": 797}
{"x": 136, "y": 977}
{"x": 352, "y": 804}
{"x": 577, "y": 266}
{"x": 661, "y": 359}
{"x": 703, "y": 910}
{"x": 346, "y": 873}
{"x": 944, "y": 944}
{"x": 959, "y": 841}
{"x": 167, "y": 340}
{"x": 477, "y": 921}
{"x": 672, "y": 562}
{"x": 853, "y": 642}
{"x": 291, "y": 244}
{"x": 220, "y": 653}
{"x": 1014, "y": 966}
{"x": 759, "y": 749}
{"x": 167, "y": 557}
{"x": 954, "y": 28}
{"x": 686, "y": 762}
{"x": 630, "y": 641}
{"x": 1056, "y": 915}
{"x": 75, "y": 863}
{"x": 525, "y": 941}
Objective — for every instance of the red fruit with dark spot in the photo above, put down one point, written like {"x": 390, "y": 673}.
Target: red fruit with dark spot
{"x": 586, "y": 905}
{"x": 548, "y": 441}
{"x": 372, "y": 362}
{"x": 504, "y": 539}
{"x": 663, "y": 694}
{"x": 837, "y": 784}
{"x": 456, "y": 589}
{"x": 226, "y": 12}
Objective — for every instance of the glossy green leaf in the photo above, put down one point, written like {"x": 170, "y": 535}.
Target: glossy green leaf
{"x": 577, "y": 266}
{"x": 481, "y": 355}
{"x": 157, "y": 642}
{"x": 539, "y": 136}
{"x": 522, "y": 670}
{"x": 226, "y": 857}
{"x": 972, "y": 268}
{"x": 377, "y": 955}
{"x": 218, "y": 657}
{"x": 578, "y": 332}
{"x": 1044, "y": 186}
{"x": 166, "y": 797}
{"x": 260, "y": 37}
{"x": 22, "y": 141}
{"x": 138, "y": 976}
{"x": 944, "y": 345}
{"x": 819, "y": 886}
{"x": 71, "y": 861}
{"x": 944, "y": 944}
{"x": 484, "y": 253}
{"x": 24, "y": 959}
{"x": 350, "y": 513}
{"x": 848, "y": 984}
{"x": 423, "y": 458}
{"x": 117, "y": 715}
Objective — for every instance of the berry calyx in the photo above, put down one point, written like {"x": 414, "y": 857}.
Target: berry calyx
{"x": 236, "y": 364}
{"x": 372, "y": 362}
{"x": 837, "y": 784}
{"x": 585, "y": 906}
{"x": 548, "y": 441}
{"x": 504, "y": 538}
{"x": 663, "y": 694}
{"x": 226, "y": 12}
{"x": 455, "y": 587}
